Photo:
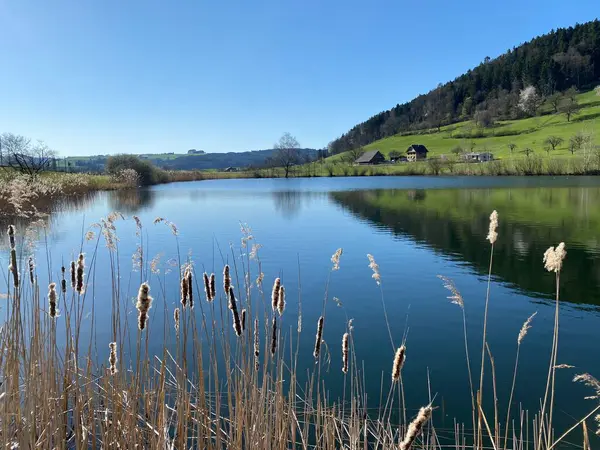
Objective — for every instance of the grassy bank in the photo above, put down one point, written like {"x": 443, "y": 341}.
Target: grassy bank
{"x": 227, "y": 373}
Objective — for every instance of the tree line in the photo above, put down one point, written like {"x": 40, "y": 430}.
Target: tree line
{"x": 514, "y": 85}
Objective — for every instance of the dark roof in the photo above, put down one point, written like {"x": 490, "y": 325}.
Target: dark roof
{"x": 418, "y": 148}
{"x": 368, "y": 156}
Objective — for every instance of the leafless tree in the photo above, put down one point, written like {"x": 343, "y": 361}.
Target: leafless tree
{"x": 552, "y": 142}
{"x": 19, "y": 153}
{"x": 511, "y": 147}
{"x": 569, "y": 107}
{"x": 286, "y": 154}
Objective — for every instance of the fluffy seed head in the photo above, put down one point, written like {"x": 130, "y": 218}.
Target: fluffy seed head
{"x": 554, "y": 257}
{"x": 281, "y": 301}
{"x": 375, "y": 268}
{"x": 144, "y": 303}
{"x": 525, "y": 328}
{"x": 493, "y": 231}
{"x": 335, "y": 259}
{"x": 415, "y": 427}
{"x": 318, "y": 337}
{"x": 52, "y": 300}
{"x": 275, "y": 293}
{"x": 345, "y": 353}
{"x": 589, "y": 381}
{"x": 399, "y": 359}
{"x": 455, "y": 297}
{"x": 112, "y": 358}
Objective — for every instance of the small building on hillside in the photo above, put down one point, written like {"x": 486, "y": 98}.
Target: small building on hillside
{"x": 478, "y": 156}
{"x": 369, "y": 158}
{"x": 230, "y": 169}
{"x": 416, "y": 152}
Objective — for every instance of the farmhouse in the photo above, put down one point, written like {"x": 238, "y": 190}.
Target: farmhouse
{"x": 416, "y": 152}
{"x": 478, "y": 157}
{"x": 368, "y": 158}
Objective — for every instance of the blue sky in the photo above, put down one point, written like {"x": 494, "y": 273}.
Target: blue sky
{"x": 147, "y": 76}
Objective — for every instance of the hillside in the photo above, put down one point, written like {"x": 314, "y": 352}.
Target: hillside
{"x": 549, "y": 64}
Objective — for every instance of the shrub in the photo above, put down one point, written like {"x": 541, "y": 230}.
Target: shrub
{"x": 147, "y": 172}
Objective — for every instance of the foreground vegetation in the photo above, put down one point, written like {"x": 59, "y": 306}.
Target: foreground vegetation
{"x": 227, "y": 374}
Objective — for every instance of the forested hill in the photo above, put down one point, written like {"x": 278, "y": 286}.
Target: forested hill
{"x": 555, "y": 62}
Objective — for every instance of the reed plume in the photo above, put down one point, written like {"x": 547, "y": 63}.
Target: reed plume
{"x": 237, "y": 325}
{"x": 80, "y": 269}
{"x": 207, "y": 290}
{"x": 176, "y": 320}
{"x": 112, "y": 358}
{"x": 63, "y": 282}
{"x": 525, "y": 328}
{"x": 14, "y": 268}
{"x": 226, "y": 279}
{"x": 274, "y": 336}
{"x": 275, "y": 293}
{"x": 243, "y": 320}
{"x": 189, "y": 279}
{"x": 184, "y": 289}
{"x": 492, "y": 232}
{"x": 281, "y": 301}
{"x": 144, "y": 303}
{"x": 554, "y": 257}
{"x": 415, "y": 427}
{"x": 73, "y": 275}
{"x": 52, "y": 300}
{"x": 345, "y": 353}
{"x": 456, "y": 297}
{"x": 375, "y": 268}
{"x": 318, "y": 337}
{"x": 213, "y": 290}
{"x": 31, "y": 270}
{"x": 256, "y": 346}
{"x": 335, "y": 259}
{"x": 398, "y": 362}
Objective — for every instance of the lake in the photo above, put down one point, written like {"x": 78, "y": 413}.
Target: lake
{"x": 415, "y": 227}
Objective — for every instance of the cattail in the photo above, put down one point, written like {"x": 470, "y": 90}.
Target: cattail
{"x": 526, "y": 326}
{"x": 144, "y": 303}
{"x": 318, "y": 337}
{"x": 31, "y": 270}
{"x": 345, "y": 353}
{"x": 80, "y": 268}
{"x": 493, "y": 233}
{"x": 398, "y": 362}
{"x": 274, "y": 337}
{"x": 52, "y": 299}
{"x": 213, "y": 289}
{"x": 237, "y": 326}
{"x": 553, "y": 258}
{"x": 256, "y": 345}
{"x": 226, "y": 279}
{"x": 275, "y": 294}
{"x": 281, "y": 301}
{"x": 14, "y": 268}
{"x": 176, "y": 320}
{"x": 415, "y": 427}
{"x": 184, "y": 289}
{"x": 209, "y": 297}
{"x": 73, "y": 275}
{"x": 63, "y": 282}
{"x": 112, "y": 358}
{"x": 243, "y": 320}
{"x": 190, "y": 287}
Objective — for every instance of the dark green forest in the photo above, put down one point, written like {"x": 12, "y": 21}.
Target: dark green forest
{"x": 556, "y": 62}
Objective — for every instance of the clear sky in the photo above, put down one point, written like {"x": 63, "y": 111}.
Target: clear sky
{"x": 147, "y": 76}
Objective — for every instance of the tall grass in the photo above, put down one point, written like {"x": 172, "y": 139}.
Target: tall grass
{"x": 217, "y": 383}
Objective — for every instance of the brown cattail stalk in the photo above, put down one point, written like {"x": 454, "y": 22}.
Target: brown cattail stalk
{"x": 176, "y": 320}
{"x": 207, "y": 290}
{"x": 281, "y": 301}
{"x": 237, "y": 326}
{"x": 14, "y": 268}
{"x": 415, "y": 427}
{"x": 226, "y": 279}
{"x": 144, "y": 303}
{"x": 243, "y": 320}
{"x": 345, "y": 353}
{"x": 398, "y": 362}
{"x": 63, "y": 282}
{"x": 184, "y": 290}
{"x": 112, "y": 358}
{"x": 11, "y": 236}
{"x": 274, "y": 337}
{"x": 190, "y": 280}
{"x": 73, "y": 275}
{"x": 275, "y": 294}
{"x": 80, "y": 269}
{"x": 52, "y": 300}
{"x": 213, "y": 289}
{"x": 256, "y": 346}
{"x": 319, "y": 337}
{"x": 31, "y": 270}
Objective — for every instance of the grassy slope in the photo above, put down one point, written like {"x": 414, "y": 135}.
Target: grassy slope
{"x": 531, "y": 133}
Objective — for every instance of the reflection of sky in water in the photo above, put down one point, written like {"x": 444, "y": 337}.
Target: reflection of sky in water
{"x": 300, "y": 224}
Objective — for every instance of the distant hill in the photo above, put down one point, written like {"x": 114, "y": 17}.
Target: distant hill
{"x": 555, "y": 62}
{"x": 192, "y": 160}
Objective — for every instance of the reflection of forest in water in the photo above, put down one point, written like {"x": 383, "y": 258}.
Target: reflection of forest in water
{"x": 455, "y": 222}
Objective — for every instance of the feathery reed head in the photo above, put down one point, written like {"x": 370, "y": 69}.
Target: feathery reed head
{"x": 226, "y": 279}
{"x": 184, "y": 289}
{"x": 281, "y": 301}
{"x": 189, "y": 279}
{"x": 31, "y": 270}
{"x": 493, "y": 231}
{"x": 415, "y": 427}
{"x": 73, "y": 275}
{"x": 256, "y": 345}
{"x": 144, "y": 303}
{"x": 589, "y": 381}
{"x": 399, "y": 359}
{"x": 455, "y": 297}
{"x": 375, "y": 268}
{"x": 237, "y": 324}
{"x": 52, "y": 300}
{"x": 345, "y": 353}
{"x": 335, "y": 259}
{"x": 213, "y": 290}
{"x": 112, "y": 358}
{"x": 274, "y": 336}
{"x": 525, "y": 328}
{"x": 318, "y": 337}
{"x": 207, "y": 290}
{"x": 554, "y": 257}
{"x": 275, "y": 293}
{"x": 243, "y": 320}
{"x": 176, "y": 320}
{"x": 80, "y": 269}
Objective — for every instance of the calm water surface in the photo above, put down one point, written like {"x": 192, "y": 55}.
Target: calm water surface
{"x": 416, "y": 228}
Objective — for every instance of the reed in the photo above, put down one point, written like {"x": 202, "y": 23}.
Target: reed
{"x": 143, "y": 305}
{"x": 226, "y": 279}
{"x": 281, "y": 301}
{"x": 237, "y": 324}
{"x": 112, "y": 358}
{"x": 52, "y": 300}
{"x": 275, "y": 294}
{"x": 207, "y": 289}
{"x": 345, "y": 353}
{"x": 80, "y": 273}
{"x": 318, "y": 337}
{"x": 399, "y": 359}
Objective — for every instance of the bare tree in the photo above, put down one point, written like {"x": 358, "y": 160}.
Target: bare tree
{"x": 528, "y": 151}
{"x": 569, "y": 107}
{"x": 577, "y": 141}
{"x": 555, "y": 100}
{"x": 511, "y": 147}
{"x": 552, "y": 142}
{"x": 286, "y": 154}
{"x": 20, "y": 154}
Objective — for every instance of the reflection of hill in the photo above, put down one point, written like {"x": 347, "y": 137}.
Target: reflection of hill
{"x": 455, "y": 222}
{"x": 131, "y": 201}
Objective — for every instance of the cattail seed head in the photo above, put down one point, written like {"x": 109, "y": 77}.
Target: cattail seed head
{"x": 256, "y": 345}
{"x": 13, "y": 267}
{"x": 275, "y": 294}
{"x": 52, "y": 300}
{"x": 190, "y": 287}
{"x": 63, "y": 282}
{"x": 237, "y": 325}
{"x": 226, "y": 279}
{"x": 73, "y": 275}
{"x": 554, "y": 257}
{"x": 493, "y": 231}
{"x": 176, "y": 320}
{"x": 274, "y": 336}
{"x": 31, "y": 270}
{"x": 144, "y": 303}
{"x": 415, "y": 427}
{"x": 80, "y": 269}
{"x": 398, "y": 362}
{"x": 318, "y": 337}
{"x": 184, "y": 289}
{"x": 213, "y": 290}
{"x": 11, "y": 236}
{"x": 207, "y": 290}
{"x": 243, "y": 320}
{"x": 112, "y": 358}
{"x": 281, "y": 301}
{"x": 345, "y": 353}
